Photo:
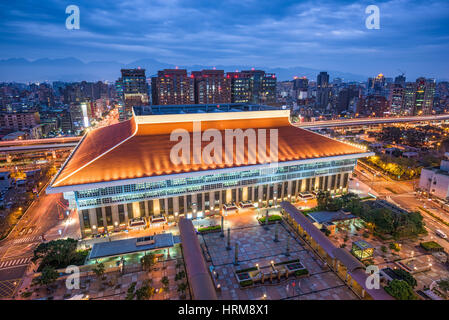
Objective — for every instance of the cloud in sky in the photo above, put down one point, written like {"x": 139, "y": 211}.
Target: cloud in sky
{"x": 328, "y": 35}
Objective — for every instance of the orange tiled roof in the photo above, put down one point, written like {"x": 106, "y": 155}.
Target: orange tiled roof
{"x": 135, "y": 150}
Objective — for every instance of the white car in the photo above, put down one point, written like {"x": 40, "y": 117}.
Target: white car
{"x": 441, "y": 234}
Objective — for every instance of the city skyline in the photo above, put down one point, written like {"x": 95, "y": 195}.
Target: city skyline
{"x": 284, "y": 34}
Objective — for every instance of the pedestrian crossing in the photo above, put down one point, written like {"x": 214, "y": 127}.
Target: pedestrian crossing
{"x": 15, "y": 263}
{"x": 27, "y": 239}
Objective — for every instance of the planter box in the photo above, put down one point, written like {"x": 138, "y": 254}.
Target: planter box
{"x": 211, "y": 229}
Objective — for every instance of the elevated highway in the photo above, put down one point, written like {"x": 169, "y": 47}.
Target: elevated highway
{"x": 369, "y": 121}
{"x": 33, "y": 145}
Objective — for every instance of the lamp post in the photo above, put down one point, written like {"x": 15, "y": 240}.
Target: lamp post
{"x": 266, "y": 220}
{"x": 276, "y": 237}
{"x": 287, "y": 250}
{"x": 228, "y": 247}
{"x": 222, "y": 227}
{"x": 236, "y": 256}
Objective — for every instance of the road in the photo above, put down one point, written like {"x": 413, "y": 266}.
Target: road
{"x": 42, "y": 218}
{"x": 47, "y": 217}
{"x": 402, "y": 193}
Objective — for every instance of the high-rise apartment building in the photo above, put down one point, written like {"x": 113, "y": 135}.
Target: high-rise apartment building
{"x": 172, "y": 86}
{"x": 253, "y": 86}
{"x": 322, "y": 90}
{"x": 211, "y": 86}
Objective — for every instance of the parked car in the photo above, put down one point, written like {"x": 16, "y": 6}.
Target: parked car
{"x": 441, "y": 234}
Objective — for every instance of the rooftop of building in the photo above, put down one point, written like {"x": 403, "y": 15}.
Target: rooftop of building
{"x": 199, "y": 108}
{"x": 141, "y": 147}
{"x": 330, "y": 216}
{"x": 127, "y": 246}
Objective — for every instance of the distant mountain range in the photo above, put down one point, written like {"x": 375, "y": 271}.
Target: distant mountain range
{"x": 72, "y": 69}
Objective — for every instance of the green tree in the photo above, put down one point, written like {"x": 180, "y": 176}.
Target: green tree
{"x": 407, "y": 277}
{"x": 145, "y": 292}
{"x": 130, "y": 292}
{"x": 148, "y": 261}
{"x": 99, "y": 270}
{"x": 400, "y": 290}
{"x": 182, "y": 287}
{"x": 47, "y": 277}
{"x": 165, "y": 282}
{"x": 58, "y": 254}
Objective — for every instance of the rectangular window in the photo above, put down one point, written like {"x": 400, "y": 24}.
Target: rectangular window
{"x": 170, "y": 206}
{"x": 217, "y": 197}
{"x": 150, "y": 208}
{"x": 206, "y": 200}
{"x": 99, "y": 217}
{"x": 86, "y": 220}
{"x": 121, "y": 213}
{"x": 285, "y": 189}
{"x": 162, "y": 206}
{"x": 189, "y": 202}
{"x": 142, "y": 208}
{"x": 199, "y": 201}
{"x": 181, "y": 204}
{"x": 129, "y": 206}
{"x": 108, "y": 211}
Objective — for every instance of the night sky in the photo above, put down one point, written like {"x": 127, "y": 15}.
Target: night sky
{"x": 328, "y": 35}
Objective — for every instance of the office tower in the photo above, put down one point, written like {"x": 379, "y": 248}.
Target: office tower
{"x": 172, "y": 86}
{"x": 81, "y": 115}
{"x": 377, "y": 85}
{"x": 323, "y": 90}
{"x": 400, "y": 80}
{"x": 211, "y": 86}
{"x": 396, "y": 99}
{"x": 345, "y": 96}
{"x": 425, "y": 92}
{"x": 133, "y": 88}
{"x": 300, "y": 88}
{"x": 409, "y": 98}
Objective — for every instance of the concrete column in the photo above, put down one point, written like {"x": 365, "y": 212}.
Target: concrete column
{"x": 81, "y": 221}
{"x": 93, "y": 220}
{"x": 147, "y": 209}
{"x": 125, "y": 209}
{"x": 103, "y": 213}
{"x": 156, "y": 207}
{"x": 115, "y": 217}
{"x": 175, "y": 205}
{"x": 244, "y": 194}
{"x": 228, "y": 196}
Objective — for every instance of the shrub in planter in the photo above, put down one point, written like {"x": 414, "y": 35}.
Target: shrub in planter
{"x": 272, "y": 218}
{"x": 246, "y": 283}
{"x": 431, "y": 246}
{"x": 301, "y": 272}
{"x": 209, "y": 229}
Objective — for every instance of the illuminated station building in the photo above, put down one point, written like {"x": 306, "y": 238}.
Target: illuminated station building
{"x": 122, "y": 176}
